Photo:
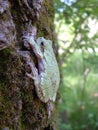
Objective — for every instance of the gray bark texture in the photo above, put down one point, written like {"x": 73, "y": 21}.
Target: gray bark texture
{"x": 20, "y": 108}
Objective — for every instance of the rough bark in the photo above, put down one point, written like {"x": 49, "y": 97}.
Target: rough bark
{"x": 20, "y": 108}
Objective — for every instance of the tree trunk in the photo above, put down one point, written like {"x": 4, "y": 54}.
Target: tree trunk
{"x": 20, "y": 108}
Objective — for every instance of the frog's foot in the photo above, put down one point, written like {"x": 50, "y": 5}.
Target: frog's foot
{"x": 50, "y": 108}
{"x": 30, "y": 75}
{"x": 34, "y": 71}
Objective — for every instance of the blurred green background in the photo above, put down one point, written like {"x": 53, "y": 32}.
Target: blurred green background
{"x": 76, "y": 26}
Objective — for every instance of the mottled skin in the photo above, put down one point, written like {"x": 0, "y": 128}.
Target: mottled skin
{"x": 46, "y": 76}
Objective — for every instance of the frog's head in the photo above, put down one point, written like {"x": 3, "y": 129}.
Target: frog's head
{"x": 45, "y": 45}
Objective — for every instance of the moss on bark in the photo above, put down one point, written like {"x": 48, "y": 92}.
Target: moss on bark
{"x": 20, "y": 108}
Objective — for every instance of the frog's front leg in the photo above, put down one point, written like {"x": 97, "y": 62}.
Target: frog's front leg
{"x": 34, "y": 46}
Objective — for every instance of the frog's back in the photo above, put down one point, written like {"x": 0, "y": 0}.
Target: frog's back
{"x": 51, "y": 77}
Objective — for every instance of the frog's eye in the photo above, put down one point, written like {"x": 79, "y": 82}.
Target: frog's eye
{"x": 42, "y": 44}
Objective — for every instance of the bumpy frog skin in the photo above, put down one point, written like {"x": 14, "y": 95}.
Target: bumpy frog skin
{"x": 46, "y": 77}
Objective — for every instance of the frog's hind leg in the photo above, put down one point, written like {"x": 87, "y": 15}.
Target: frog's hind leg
{"x": 34, "y": 71}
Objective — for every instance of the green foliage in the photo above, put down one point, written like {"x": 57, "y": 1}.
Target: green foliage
{"x": 79, "y": 14}
{"x": 77, "y": 29}
{"x": 79, "y": 94}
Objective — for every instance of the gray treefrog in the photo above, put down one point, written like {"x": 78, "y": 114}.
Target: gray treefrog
{"x": 46, "y": 76}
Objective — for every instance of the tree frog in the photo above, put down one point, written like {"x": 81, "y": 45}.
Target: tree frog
{"x": 46, "y": 75}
